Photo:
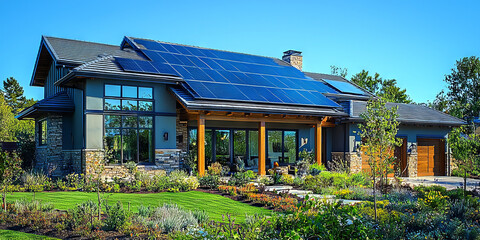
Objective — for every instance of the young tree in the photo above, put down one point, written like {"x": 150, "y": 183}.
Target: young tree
{"x": 465, "y": 151}
{"x": 383, "y": 88}
{"x": 464, "y": 88}
{"x": 7, "y": 122}
{"x": 10, "y": 171}
{"x": 378, "y": 132}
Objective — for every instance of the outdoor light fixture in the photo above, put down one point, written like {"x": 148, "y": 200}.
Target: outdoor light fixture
{"x": 165, "y": 136}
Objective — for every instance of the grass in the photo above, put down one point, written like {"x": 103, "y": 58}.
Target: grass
{"x": 214, "y": 205}
{"x": 8, "y": 234}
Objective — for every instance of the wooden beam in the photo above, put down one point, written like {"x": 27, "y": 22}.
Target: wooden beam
{"x": 201, "y": 144}
{"x": 262, "y": 155}
{"x": 318, "y": 143}
{"x": 259, "y": 119}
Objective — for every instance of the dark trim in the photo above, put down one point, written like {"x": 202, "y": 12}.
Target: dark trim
{"x": 122, "y": 112}
{"x": 429, "y": 137}
{"x": 117, "y": 76}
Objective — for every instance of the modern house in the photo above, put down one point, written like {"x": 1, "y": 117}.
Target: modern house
{"x": 154, "y": 102}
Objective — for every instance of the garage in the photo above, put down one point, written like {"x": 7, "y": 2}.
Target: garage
{"x": 431, "y": 157}
{"x": 400, "y": 154}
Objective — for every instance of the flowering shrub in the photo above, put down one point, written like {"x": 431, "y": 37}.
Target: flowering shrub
{"x": 433, "y": 200}
{"x": 278, "y": 203}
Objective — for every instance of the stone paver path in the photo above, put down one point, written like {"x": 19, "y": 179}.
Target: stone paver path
{"x": 304, "y": 193}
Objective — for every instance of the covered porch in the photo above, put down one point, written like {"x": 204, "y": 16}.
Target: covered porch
{"x": 253, "y": 141}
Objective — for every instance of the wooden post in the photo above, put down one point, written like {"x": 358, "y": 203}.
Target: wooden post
{"x": 318, "y": 143}
{"x": 261, "y": 148}
{"x": 201, "y": 144}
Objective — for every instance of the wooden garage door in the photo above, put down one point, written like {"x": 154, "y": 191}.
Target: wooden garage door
{"x": 400, "y": 153}
{"x": 431, "y": 157}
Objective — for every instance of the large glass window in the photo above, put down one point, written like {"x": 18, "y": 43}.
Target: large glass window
{"x": 282, "y": 146}
{"x": 128, "y": 98}
{"x": 42, "y": 132}
{"x": 238, "y": 148}
{"x": 129, "y": 138}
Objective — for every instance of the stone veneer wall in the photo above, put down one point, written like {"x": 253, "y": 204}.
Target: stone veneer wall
{"x": 353, "y": 159}
{"x": 49, "y": 157}
{"x": 182, "y": 133}
{"x": 166, "y": 161}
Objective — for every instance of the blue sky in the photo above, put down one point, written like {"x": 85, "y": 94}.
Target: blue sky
{"x": 415, "y": 42}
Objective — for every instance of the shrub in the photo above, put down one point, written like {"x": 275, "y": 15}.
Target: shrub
{"x": 316, "y": 168}
{"x": 25, "y": 205}
{"x": 215, "y": 169}
{"x": 433, "y": 200}
{"x": 264, "y": 180}
{"x": 287, "y": 179}
{"x": 209, "y": 181}
{"x": 36, "y": 181}
{"x": 190, "y": 183}
{"x": 75, "y": 181}
{"x": 83, "y": 217}
{"x": 61, "y": 185}
{"x": 169, "y": 218}
{"x": 423, "y": 190}
{"x": 117, "y": 217}
{"x": 239, "y": 179}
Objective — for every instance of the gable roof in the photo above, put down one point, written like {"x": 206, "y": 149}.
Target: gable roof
{"x": 410, "y": 114}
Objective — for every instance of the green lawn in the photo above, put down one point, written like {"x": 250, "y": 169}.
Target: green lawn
{"x": 8, "y": 234}
{"x": 215, "y": 205}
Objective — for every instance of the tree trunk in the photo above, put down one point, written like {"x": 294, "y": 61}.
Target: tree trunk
{"x": 4, "y": 197}
{"x": 375, "y": 195}
{"x": 99, "y": 200}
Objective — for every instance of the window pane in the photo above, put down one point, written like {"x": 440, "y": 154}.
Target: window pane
{"x": 145, "y": 106}
{"x": 129, "y": 121}
{"x": 208, "y": 148}
{"x": 253, "y": 150}
{"x": 240, "y": 149}
{"x": 145, "y": 122}
{"x": 145, "y": 139}
{"x": 43, "y": 132}
{"x": 129, "y": 145}
{"x": 112, "y": 90}
{"x": 290, "y": 144}
{"x": 112, "y": 104}
{"x": 112, "y": 121}
{"x": 129, "y": 105}
{"x": 274, "y": 147}
{"x": 145, "y": 92}
{"x": 112, "y": 145}
{"x": 192, "y": 140}
{"x": 222, "y": 147}
{"x": 129, "y": 91}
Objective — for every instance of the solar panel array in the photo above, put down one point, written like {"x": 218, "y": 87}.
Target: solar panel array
{"x": 221, "y": 75}
{"x": 344, "y": 87}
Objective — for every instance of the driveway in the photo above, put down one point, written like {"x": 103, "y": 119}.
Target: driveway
{"x": 446, "y": 181}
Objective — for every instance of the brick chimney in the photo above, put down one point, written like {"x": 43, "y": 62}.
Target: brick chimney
{"x": 294, "y": 58}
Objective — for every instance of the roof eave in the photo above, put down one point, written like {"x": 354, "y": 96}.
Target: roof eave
{"x": 72, "y": 75}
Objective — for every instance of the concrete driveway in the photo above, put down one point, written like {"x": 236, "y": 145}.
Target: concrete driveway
{"x": 446, "y": 181}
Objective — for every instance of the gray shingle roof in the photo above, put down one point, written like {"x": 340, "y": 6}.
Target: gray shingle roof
{"x": 411, "y": 113}
{"x": 59, "y": 103}
{"x": 77, "y": 52}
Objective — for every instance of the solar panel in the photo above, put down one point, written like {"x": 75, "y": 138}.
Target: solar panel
{"x": 345, "y": 87}
{"x": 215, "y": 74}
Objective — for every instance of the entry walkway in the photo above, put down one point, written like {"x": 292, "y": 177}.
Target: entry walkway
{"x": 445, "y": 181}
